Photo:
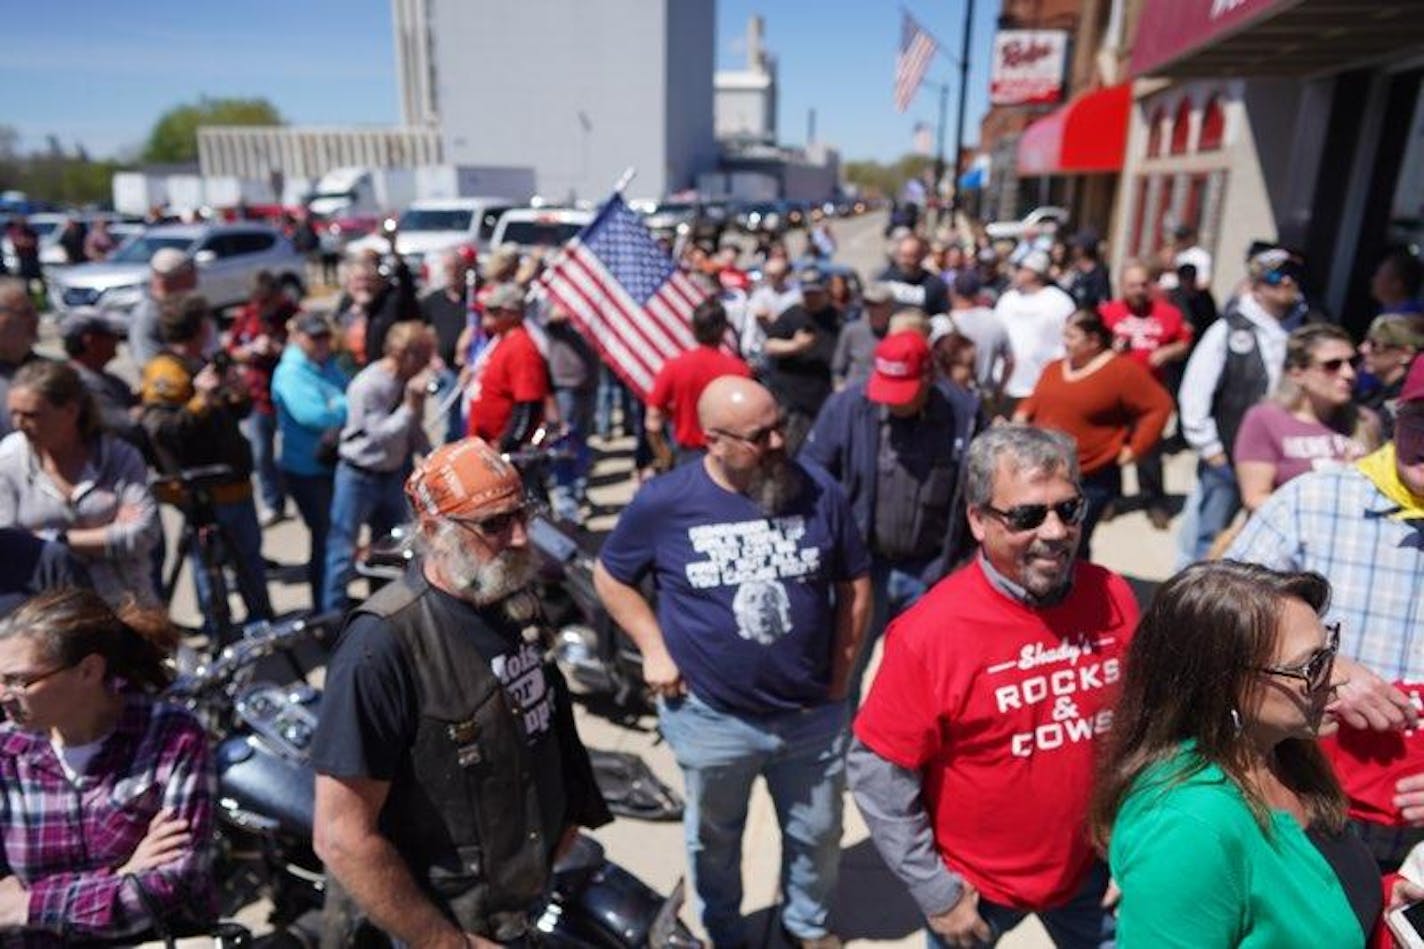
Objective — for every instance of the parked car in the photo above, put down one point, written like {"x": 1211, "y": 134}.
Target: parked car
{"x": 542, "y": 228}
{"x": 1044, "y": 219}
{"x": 226, "y": 255}
{"x": 700, "y": 221}
{"x": 762, "y": 217}
{"x": 47, "y": 225}
{"x": 427, "y": 228}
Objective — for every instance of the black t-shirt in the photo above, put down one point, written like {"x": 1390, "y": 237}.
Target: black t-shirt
{"x": 923, "y": 290}
{"x": 370, "y": 708}
{"x": 448, "y": 318}
{"x": 803, "y": 381}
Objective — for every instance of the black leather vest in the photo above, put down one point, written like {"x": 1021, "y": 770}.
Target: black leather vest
{"x": 464, "y": 809}
{"x": 1243, "y": 380}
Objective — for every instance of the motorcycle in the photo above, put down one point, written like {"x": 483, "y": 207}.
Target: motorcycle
{"x": 262, "y": 721}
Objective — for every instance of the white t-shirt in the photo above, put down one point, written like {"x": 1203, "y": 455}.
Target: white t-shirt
{"x": 991, "y": 343}
{"x": 1199, "y": 258}
{"x": 1034, "y": 322}
{"x": 74, "y": 759}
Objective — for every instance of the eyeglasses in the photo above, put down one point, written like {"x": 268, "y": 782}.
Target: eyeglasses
{"x": 1026, "y": 517}
{"x": 23, "y": 681}
{"x": 1315, "y": 671}
{"x": 1333, "y": 366}
{"x": 497, "y": 525}
{"x": 757, "y": 437}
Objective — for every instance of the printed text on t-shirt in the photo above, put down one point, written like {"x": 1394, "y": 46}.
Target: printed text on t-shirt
{"x": 1081, "y": 671}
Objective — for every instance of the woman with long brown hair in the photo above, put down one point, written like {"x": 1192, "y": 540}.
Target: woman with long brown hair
{"x": 107, "y": 814}
{"x": 1222, "y": 821}
{"x": 64, "y": 479}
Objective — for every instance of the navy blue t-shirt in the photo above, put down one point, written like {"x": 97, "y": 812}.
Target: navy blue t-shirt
{"x": 745, "y": 601}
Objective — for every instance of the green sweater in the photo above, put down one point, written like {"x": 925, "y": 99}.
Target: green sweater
{"x": 1197, "y": 871}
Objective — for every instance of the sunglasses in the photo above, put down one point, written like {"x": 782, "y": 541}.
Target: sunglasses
{"x": 1333, "y": 366}
{"x": 1026, "y": 517}
{"x": 499, "y": 524}
{"x": 1315, "y": 671}
{"x": 757, "y": 437}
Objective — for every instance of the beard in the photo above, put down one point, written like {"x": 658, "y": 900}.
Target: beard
{"x": 488, "y": 581}
{"x": 774, "y": 484}
{"x": 1046, "y": 568}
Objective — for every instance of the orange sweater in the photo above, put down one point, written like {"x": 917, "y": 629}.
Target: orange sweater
{"x": 1119, "y": 404}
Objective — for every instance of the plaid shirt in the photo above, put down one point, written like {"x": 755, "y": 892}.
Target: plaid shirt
{"x": 1337, "y": 524}
{"x": 65, "y": 840}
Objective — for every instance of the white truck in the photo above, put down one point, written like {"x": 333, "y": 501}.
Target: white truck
{"x": 355, "y": 191}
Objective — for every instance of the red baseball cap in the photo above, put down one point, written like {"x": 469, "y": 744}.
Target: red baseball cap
{"x": 1409, "y": 417}
{"x": 902, "y": 361}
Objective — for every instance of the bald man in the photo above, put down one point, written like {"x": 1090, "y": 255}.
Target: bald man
{"x": 763, "y": 594}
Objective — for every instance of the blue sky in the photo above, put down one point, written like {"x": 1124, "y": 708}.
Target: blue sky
{"x": 100, "y": 72}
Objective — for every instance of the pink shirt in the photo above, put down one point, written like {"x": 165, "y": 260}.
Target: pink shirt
{"x": 1271, "y": 434}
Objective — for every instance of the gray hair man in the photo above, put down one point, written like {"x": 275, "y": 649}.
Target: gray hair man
{"x": 974, "y": 752}
{"x": 171, "y": 272}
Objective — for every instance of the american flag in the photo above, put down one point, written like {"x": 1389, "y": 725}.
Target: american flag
{"x": 917, "y": 48}
{"x": 922, "y": 138}
{"x": 625, "y": 295}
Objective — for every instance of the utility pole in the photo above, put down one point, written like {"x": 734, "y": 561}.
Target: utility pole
{"x": 811, "y": 126}
{"x": 939, "y": 150}
{"x": 959, "y": 119}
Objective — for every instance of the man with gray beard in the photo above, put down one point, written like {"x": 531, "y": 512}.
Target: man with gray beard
{"x": 449, "y": 771}
{"x": 763, "y": 595}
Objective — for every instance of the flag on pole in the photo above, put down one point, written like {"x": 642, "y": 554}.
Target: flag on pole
{"x": 625, "y": 295}
{"x": 922, "y": 138}
{"x": 917, "y": 48}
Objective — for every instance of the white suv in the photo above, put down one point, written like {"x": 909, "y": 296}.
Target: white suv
{"x": 428, "y": 228}
{"x": 226, "y": 255}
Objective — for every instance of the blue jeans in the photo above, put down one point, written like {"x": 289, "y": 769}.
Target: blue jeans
{"x": 1212, "y": 505}
{"x": 893, "y": 591}
{"x": 260, "y": 431}
{"x": 312, "y": 494}
{"x": 239, "y": 518}
{"x": 612, "y": 393}
{"x": 1100, "y": 489}
{"x": 455, "y": 417}
{"x": 571, "y": 474}
{"x": 802, "y": 757}
{"x": 1080, "y": 923}
{"x": 359, "y": 498}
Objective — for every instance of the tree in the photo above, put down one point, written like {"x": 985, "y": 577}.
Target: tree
{"x": 174, "y": 139}
{"x": 886, "y": 180}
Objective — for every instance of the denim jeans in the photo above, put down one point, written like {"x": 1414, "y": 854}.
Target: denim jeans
{"x": 1100, "y": 489}
{"x": 1080, "y": 923}
{"x": 612, "y": 394}
{"x": 239, "y": 518}
{"x": 801, "y": 755}
{"x": 359, "y": 498}
{"x": 1211, "y": 507}
{"x": 455, "y": 417}
{"x": 261, "y": 431}
{"x": 892, "y": 592}
{"x": 312, "y": 494}
{"x": 571, "y": 474}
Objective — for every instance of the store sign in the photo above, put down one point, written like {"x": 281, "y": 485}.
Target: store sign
{"x": 1171, "y": 30}
{"x": 1028, "y": 67}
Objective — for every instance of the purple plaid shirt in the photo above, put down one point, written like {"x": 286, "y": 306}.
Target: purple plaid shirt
{"x": 65, "y": 841}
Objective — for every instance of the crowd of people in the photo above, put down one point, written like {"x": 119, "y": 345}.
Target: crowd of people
{"x": 918, "y": 460}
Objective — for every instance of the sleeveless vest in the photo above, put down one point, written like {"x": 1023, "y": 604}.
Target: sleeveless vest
{"x": 1243, "y": 380}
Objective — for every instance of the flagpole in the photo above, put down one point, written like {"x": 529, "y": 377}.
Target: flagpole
{"x": 939, "y": 152}
{"x": 954, "y": 204}
{"x": 624, "y": 179}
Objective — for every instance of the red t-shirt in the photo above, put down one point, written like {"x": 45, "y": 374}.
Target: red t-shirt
{"x": 1369, "y": 763}
{"x": 1141, "y": 335}
{"x": 679, "y": 384}
{"x": 513, "y": 372}
{"x": 997, "y": 706}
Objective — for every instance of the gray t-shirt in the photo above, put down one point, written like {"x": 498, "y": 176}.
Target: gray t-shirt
{"x": 144, "y": 341}
{"x": 855, "y": 353}
{"x": 381, "y": 433}
{"x": 991, "y": 342}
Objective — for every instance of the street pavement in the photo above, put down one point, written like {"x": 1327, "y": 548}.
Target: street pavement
{"x": 871, "y": 906}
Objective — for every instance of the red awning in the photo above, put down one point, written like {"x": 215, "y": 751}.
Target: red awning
{"x": 1167, "y": 30}
{"x": 1085, "y": 136}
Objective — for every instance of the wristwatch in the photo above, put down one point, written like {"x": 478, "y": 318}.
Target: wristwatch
{"x": 62, "y": 537}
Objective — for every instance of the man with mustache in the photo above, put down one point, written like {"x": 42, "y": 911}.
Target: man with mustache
{"x": 762, "y": 597}
{"x": 449, "y": 772}
{"x": 973, "y": 753}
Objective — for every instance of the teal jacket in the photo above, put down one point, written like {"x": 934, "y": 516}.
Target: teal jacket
{"x": 310, "y": 398}
{"x": 1198, "y": 872}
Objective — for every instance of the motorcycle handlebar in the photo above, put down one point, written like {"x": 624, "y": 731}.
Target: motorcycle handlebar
{"x": 256, "y": 644}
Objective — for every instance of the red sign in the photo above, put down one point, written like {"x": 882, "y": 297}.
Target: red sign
{"x": 1028, "y": 67}
{"x": 1169, "y": 30}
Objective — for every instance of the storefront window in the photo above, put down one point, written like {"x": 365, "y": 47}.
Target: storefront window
{"x": 1213, "y": 125}
{"x": 1182, "y": 127}
{"x": 1406, "y": 224}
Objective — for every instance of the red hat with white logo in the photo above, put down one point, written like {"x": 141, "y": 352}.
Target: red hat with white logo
{"x": 902, "y": 360}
